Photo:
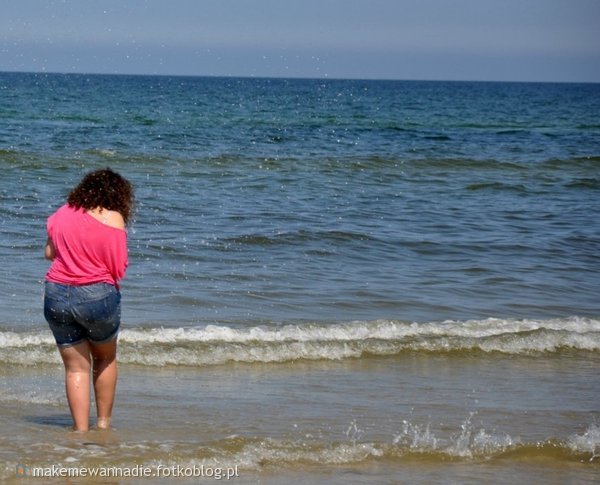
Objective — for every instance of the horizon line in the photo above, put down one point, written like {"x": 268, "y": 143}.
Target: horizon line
{"x": 306, "y": 78}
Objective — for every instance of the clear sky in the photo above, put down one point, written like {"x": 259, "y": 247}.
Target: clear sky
{"x": 504, "y": 40}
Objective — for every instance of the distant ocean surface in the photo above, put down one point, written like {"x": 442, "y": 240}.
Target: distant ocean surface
{"x": 329, "y": 280}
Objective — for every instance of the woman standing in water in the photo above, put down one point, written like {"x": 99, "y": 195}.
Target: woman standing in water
{"x": 87, "y": 244}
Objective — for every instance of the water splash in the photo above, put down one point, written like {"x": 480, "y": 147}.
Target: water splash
{"x": 588, "y": 442}
{"x": 469, "y": 443}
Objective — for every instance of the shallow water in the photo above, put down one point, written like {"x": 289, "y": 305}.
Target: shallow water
{"x": 403, "y": 417}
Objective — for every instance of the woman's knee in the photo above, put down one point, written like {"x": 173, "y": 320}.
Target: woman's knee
{"x": 104, "y": 353}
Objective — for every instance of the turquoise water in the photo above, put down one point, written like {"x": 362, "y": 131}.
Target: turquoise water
{"x": 309, "y": 230}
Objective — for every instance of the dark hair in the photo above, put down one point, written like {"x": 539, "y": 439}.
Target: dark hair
{"x": 103, "y": 188}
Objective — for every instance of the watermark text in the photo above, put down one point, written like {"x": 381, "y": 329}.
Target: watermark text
{"x": 136, "y": 471}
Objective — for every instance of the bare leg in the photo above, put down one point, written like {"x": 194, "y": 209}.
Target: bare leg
{"x": 77, "y": 382}
{"x": 105, "y": 380}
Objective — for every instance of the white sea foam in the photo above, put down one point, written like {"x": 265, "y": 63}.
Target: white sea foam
{"x": 24, "y": 339}
{"x": 588, "y": 442}
{"x": 217, "y": 344}
{"x": 466, "y": 444}
{"x": 355, "y": 331}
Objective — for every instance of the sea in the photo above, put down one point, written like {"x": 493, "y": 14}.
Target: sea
{"x": 329, "y": 281}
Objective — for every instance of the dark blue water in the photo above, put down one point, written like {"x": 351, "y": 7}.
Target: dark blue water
{"x": 263, "y": 200}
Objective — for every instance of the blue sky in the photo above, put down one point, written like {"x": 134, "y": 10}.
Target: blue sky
{"x": 504, "y": 40}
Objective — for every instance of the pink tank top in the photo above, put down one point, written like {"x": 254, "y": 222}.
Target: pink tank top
{"x": 86, "y": 250}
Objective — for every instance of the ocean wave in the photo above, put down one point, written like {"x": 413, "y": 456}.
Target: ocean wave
{"x": 466, "y": 164}
{"x": 414, "y": 443}
{"x": 584, "y": 183}
{"x": 468, "y": 445}
{"x": 292, "y": 237}
{"x": 519, "y": 188}
{"x": 220, "y": 344}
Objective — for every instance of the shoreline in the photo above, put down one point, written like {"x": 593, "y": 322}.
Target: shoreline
{"x": 410, "y": 416}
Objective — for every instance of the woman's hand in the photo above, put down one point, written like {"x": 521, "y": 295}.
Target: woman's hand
{"x": 49, "y": 251}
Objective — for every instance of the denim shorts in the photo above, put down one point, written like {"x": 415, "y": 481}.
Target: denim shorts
{"x": 78, "y": 313}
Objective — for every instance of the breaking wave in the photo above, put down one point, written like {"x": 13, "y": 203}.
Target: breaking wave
{"x": 414, "y": 442}
{"x": 219, "y": 344}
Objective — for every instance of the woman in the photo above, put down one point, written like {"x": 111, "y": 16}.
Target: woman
{"x": 87, "y": 244}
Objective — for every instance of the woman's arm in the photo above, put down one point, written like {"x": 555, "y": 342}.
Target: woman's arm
{"x": 49, "y": 251}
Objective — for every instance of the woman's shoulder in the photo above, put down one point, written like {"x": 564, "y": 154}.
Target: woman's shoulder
{"x": 115, "y": 219}
{"x": 108, "y": 217}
